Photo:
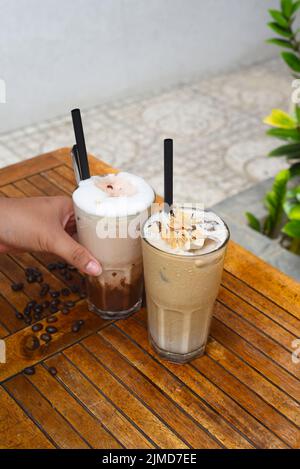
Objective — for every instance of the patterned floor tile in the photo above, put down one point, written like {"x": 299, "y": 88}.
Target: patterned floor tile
{"x": 219, "y": 142}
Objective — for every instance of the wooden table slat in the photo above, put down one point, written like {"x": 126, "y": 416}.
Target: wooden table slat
{"x": 174, "y": 417}
{"x": 123, "y": 399}
{"x": 261, "y": 303}
{"x": 45, "y": 186}
{"x": 210, "y": 420}
{"x": 264, "y": 278}
{"x": 17, "y": 431}
{"x": 30, "y": 166}
{"x": 20, "y": 357}
{"x": 90, "y": 429}
{"x": 53, "y": 424}
{"x": 228, "y": 339}
{"x": 137, "y": 331}
{"x": 88, "y": 394}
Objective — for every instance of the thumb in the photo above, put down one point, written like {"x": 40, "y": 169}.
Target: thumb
{"x": 75, "y": 254}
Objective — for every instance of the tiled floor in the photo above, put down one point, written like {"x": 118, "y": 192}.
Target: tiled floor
{"x": 219, "y": 142}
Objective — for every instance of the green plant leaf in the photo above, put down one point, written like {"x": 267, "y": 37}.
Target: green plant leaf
{"x": 281, "y": 119}
{"x": 279, "y": 18}
{"x": 281, "y": 31}
{"x": 292, "y": 229}
{"x": 280, "y": 43}
{"x": 285, "y": 134}
{"x": 288, "y": 205}
{"x": 297, "y": 112}
{"x": 287, "y": 150}
{"x": 274, "y": 200}
{"x": 287, "y": 7}
{"x": 291, "y": 60}
{"x": 295, "y": 7}
{"x": 294, "y": 213}
{"x": 295, "y": 170}
{"x": 253, "y": 222}
{"x": 293, "y": 195}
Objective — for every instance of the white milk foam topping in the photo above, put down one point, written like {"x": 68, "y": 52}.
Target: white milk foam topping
{"x": 113, "y": 195}
{"x": 186, "y": 231}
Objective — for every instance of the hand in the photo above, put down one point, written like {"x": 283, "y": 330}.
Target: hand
{"x": 43, "y": 224}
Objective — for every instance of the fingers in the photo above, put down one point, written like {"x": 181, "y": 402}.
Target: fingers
{"x": 75, "y": 254}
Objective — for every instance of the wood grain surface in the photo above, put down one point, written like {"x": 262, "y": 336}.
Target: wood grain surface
{"x": 111, "y": 390}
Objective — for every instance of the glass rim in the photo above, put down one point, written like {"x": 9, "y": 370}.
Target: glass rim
{"x": 117, "y": 216}
{"x": 193, "y": 256}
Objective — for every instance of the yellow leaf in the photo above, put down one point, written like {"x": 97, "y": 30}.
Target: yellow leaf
{"x": 280, "y": 119}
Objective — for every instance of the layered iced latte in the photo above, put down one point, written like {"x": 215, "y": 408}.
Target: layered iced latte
{"x": 109, "y": 210}
{"x": 183, "y": 252}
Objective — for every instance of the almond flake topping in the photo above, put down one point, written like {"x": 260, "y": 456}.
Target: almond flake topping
{"x": 181, "y": 231}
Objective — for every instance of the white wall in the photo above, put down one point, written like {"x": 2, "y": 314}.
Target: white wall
{"x": 58, "y": 54}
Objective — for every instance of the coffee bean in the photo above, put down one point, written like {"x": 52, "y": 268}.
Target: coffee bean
{"x": 52, "y": 266}
{"x": 55, "y": 302}
{"x": 38, "y": 309}
{"x": 53, "y": 308}
{"x": 65, "y": 292}
{"x": 51, "y": 329}
{"x": 68, "y": 276}
{"x": 29, "y": 271}
{"x": 82, "y": 296}
{"x": 74, "y": 288}
{"x": 80, "y": 322}
{"x": 32, "y": 342}
{"x": 45, "y": 304}
{"x": 31, "y": 278}
{"x": 54, "y": 294}
{"x": 52, "y": 371}
{"x": 44, "y": 289}
{"x": 28, "y": 321}
{"x": 46, "y": 337}
{"x": 27, "y": 311}
{"x": 51, "y": 319}
{"x": 37, "y": 327}
{"x": 69, "y": 304}
{"x": 31, "y": 304}
{"x": 17, "y": 286}
{"x": 65, "y": 311}
{"x": 61, "y": 265}
{"x": 39, "y": 279}
{"x": 37, "y": 316}
{"x": 19, "y": 315}
{"x": 30, "y": 370}
{"x": 75, "y": 327}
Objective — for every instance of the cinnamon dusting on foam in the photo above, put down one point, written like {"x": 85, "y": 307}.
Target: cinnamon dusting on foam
{"x": 115, "y": 187}
{"x": 113, "y": 195}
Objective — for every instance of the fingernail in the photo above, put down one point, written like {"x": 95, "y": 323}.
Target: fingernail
{"x": 93, "y": 268}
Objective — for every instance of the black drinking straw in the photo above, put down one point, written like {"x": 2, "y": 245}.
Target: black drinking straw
{"x": 168, "y": 172}
{"x": 81, "y": 148}
{"x": 76, "y": 164}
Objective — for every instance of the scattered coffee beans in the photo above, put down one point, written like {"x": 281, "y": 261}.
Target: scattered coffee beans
{"x": 37, "y": 327}
{"x": 51, "y": 329}
{"x": 30, "y": 370}
{"x": 17, "y": 286}
{"x": 46, "y": 337}
{"x": 51, "y": 319}
{"x": 52, "y": 371}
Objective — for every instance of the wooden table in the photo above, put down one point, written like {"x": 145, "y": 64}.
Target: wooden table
{"x": 113, "y": 391}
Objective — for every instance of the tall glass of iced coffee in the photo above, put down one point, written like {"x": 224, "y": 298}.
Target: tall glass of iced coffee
{"x": 109, "y": 211}
{"x": 183, "y": 254}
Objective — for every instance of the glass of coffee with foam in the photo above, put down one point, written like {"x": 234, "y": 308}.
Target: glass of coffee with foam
{"x": 109, "y": 211}
{"x": 183, "y": 254}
